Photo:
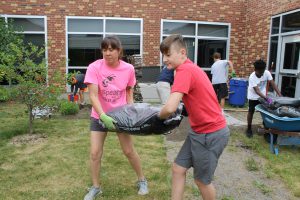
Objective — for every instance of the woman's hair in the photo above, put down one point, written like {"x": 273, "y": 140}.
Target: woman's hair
{"x": 172, "y": 40}
{"x": 114, "y": 42}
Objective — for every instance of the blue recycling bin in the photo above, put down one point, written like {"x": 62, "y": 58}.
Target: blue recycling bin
{"x": 238, "y": 91}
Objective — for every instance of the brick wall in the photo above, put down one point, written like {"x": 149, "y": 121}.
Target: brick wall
{"x": 258, "y": 20}
{"x": 250, "y": 21}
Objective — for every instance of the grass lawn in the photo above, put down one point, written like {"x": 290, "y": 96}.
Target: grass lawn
{"x": 285, "y": 166}
{"x": 55, "y": 164}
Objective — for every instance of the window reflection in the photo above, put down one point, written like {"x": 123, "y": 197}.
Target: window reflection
{"x": 291, "y": 22}
{"x": 288, "y": 86}
{"x": 273, "y": 54}
{"x": 206, "y": 49}
{"x": 84, "y": 49}
{"x": 291, "y": 55}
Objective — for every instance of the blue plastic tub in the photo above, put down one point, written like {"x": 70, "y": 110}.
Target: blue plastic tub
{"x": 238, "y": 91}
{"x": 279, "y": 123}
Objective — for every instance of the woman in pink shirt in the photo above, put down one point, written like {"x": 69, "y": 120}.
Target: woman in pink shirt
{"x": 110, "y": 82}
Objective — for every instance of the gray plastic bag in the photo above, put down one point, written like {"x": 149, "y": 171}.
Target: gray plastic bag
{"x": 141, "y": 119}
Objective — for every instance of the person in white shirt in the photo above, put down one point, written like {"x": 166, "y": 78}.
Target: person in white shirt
{"x": 219, "y": 71}
{"x": 258, "y": 81}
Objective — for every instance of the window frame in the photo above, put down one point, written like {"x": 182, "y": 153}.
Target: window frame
{"x": 196, "y": 37}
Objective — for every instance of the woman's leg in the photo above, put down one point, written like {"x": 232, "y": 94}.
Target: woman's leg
{"x": 96, "y": 152}
{"x": 129, "y": 151}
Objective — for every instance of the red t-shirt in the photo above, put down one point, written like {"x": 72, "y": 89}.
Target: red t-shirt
{"x": 199, "y": 98}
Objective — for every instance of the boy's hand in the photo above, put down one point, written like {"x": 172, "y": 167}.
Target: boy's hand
{"x": 269, "y": 100}
{"x": 108, "y": 121}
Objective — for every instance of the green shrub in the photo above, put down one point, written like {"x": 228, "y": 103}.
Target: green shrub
{"x": 4, "y": 94}
{"x": 68, "y": 108}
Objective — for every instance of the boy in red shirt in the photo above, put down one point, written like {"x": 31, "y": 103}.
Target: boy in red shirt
{"x": 209, "y": 135}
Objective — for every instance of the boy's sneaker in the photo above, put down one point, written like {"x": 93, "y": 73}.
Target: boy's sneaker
{"x": 93, "y": 193}
{"x": 143, "y": 187}
{"x": 249, "y": 133}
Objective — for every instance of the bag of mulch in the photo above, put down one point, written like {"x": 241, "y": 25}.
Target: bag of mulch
{"x": 287, "y": 111}
{"x": 141, "y": 119}
{"x": 277, "y": 102}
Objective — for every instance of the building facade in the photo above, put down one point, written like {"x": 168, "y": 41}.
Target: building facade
{"x": 241, "y": 30}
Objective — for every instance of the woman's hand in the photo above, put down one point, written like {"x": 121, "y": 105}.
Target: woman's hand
{"x": 108, "y": 121}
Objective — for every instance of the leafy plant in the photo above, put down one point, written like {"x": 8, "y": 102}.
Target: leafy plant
{"x": 68, "y": 108}
{"x": 251, "y": 165}
{"x": 4, "y": 94}
{"x": 25, "y": 64}
{"x": 70, "y": 75}
{"x": 263, "y": 188}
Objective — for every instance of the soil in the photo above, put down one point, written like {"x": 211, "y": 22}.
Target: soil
{"x": 232, "y": 180}
{"x": 28, "y": 139}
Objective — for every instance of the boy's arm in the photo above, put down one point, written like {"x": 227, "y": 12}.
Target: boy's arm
{"x": 72, "y": 88}
{"x": 256, "y": 89}
{"x": 275, "y": 88}
{"x": 171, "y": 105}
{"x": 129, "y": 95}
{"x": 76, "y": 88}
{"x": 230, "y": 69}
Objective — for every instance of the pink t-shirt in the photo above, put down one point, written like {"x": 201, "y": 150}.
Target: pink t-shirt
{"x": 111, "y": 82}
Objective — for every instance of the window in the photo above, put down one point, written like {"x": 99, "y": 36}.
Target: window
{"x": 273, "y": 54}
{"x": 275, "y": 25}
{"x": 291, "y": 22}
{"x": 32, "y": 27}
{"x": 85, "y": 34}
{"x": 202, "y": 39}
{"x": 206, "y": 49}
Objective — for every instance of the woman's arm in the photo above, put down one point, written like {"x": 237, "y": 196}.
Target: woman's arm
{"x": 93, "y": 93}
{"x": 129, "y": 95}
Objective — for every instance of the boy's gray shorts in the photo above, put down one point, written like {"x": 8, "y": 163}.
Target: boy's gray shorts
{"x": 96, "y": 126}
{"x": 202, "y": 151}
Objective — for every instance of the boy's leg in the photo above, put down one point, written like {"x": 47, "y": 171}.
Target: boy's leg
{"x": 81, "y": 96}
{"x": 208, "y": 192}
{"x": 252, "y": 104}
{"x": 223, "y": 93}
{"x": 178, "y": 181}
{"x": 182, "y": 163}
{"x": 206, "y": 150}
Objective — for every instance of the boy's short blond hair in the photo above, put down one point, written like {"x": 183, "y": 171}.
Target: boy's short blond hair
{"x": 172, "y": 40}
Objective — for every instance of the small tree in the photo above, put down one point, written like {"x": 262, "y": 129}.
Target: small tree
{"x": 9, "y": 40}
{"x": 27, "y": 65}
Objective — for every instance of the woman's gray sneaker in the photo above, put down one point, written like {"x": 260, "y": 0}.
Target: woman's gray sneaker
{"x": 93, "y": 193}
{"x": 143, "y": 187}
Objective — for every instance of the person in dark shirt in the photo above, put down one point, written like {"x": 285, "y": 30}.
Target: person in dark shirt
{"x": 77, "y": 82}
{"x": 164, "y": 82}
